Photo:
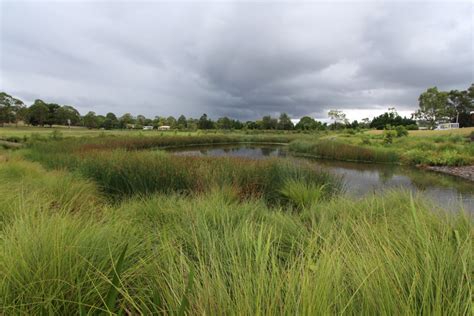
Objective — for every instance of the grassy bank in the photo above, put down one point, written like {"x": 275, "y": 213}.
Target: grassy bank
{"x": 337, "y": 150}
{"x": 65, "y": 250}
{"x": 437, "y": 150}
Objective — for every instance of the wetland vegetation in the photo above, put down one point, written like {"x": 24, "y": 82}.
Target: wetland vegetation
{"x": 114, "y": 224}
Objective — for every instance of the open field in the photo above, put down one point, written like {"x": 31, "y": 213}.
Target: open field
{"x": 111, "y": 224}
{"x": 460, "y": 131}
{"x": 27, "y": 132}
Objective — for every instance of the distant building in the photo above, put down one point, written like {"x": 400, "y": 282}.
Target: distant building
{"x": 164, "y": 128}
{"x": 445, "y": 126}
{"x": 147, "y": 128}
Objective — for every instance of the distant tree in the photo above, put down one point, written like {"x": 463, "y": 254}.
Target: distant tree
{"x": 433, "y": 107}
{"x": 205, "y": 123}
{"x": 251, "y": 125}
{"x": 268, "y": 122}
{"x": 171, "y": 121}
{"x": 192, "y": 123}
{"x": 390, "y": 118}
{"x": 140, "y": 120}
{"x": 126, "y": 120}
{"x": 460, "y": 104}
{"x": 307, "y": 123}
{"x": 182, "y": 122}
{"x": 365, "y": 123}
{"x": 11, "y": 109}
{"x": 236, "y": 124}
{"x": 354, "y": 125}
{"x": 37, "y": 113}
{"x": 338, "y": 117}
{"x": 52, "y": 117}
{"x": 224, "y": 123}
{"x": 284, "y": 122}
{"x": 110, "y": 121}
{"x": 67, "y": 115}
{"x": 90, "y": 120}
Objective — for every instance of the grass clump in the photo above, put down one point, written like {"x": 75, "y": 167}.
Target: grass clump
{"x": 211, "y": 254}
{"x": 336, "y": 150}
{"x": 303, "y": 195}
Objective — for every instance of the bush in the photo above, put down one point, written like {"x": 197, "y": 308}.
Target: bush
{"x": 401, "y": 131}
{"x": 388, "y": 136}
{"x": 412, "y": 127}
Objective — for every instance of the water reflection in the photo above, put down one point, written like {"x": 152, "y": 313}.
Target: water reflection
{"x": 361, "y": 179}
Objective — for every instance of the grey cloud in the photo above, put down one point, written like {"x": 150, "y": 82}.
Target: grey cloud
{"x": 242, "y": 60}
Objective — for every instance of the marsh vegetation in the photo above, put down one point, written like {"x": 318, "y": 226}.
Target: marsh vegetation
{"x": 116, "y": 225}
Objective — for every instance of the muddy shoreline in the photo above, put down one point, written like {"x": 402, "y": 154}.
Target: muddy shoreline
{"x": 465, "y": 172}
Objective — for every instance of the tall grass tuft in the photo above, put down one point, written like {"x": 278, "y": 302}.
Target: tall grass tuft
{"x": 209, "y": 255}
{"x": 336, "y": 150}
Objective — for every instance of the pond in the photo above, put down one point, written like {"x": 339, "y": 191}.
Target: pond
{"x": 360, "y": 178}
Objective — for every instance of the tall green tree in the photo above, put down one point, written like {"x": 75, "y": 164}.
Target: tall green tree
{"x": 433, "y": 107}
{"x": 268, "y": 122}
{"x": 90, "y": 120}
{"x": 205, "y": 122}
{"x": 111, "y": 121}
{"x": 307, "y": 123}
{"x": 12, "y": 110}
{"x": 68, "y": 115}
{"x": 460, "y": 104}
{"x": 284, "y": 122}
{"x": 126, "y": 120}
{"x": 224, "y": 123}
{"x": 390, "y": 118}
{"x": 38, "y": 113}
{"x": 182, "y": 122}
{"x": 338, "y": 117}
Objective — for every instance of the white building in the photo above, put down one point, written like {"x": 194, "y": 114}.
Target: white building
{"x": 445, "y": 126}
{"x": 164, "y": 128}
{"x": 147, "y": 128}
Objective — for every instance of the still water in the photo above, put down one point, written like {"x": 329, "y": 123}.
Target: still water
{"x": 360, "y": 178}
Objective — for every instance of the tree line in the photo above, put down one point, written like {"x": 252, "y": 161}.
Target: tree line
{"x": 434, "y": 107}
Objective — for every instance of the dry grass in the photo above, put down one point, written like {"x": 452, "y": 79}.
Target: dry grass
{"x": 423, "y": 133}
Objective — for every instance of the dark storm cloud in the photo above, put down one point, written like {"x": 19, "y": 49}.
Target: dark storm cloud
{"x": 242, "y": 60}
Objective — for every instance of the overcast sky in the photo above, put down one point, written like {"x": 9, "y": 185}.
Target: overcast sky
{"x": 243, "y": 60}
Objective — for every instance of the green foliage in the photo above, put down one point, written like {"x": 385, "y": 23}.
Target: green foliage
{"x": 284, "y": 122}
{"x": 303, "y": 195}
{"x": 122, "y": 171}
{"x": 388, "y": 135}
{"x": 401, "y": 131}
{"x": 336, "y": 150}
{"x": 207, "y": 254}
{"x": 56, "y": 135}
{"x": 307, "y": 123}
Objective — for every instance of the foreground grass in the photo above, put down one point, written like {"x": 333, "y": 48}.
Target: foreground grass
{"x": 64, "y": 250}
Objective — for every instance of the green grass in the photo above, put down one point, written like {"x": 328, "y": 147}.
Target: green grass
{"x": 213, "y": 253}
{"x": 122, "y": 173}
{"x": 336, "y": 150}
{"x": 439, "y": 149}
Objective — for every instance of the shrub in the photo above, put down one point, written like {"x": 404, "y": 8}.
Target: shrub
{"x": 401, "y": 131}
{"x": 388, "y": 136}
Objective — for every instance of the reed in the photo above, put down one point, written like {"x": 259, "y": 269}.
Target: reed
{"x": 336, "y": 150}
{"x": 213, "y": 254}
